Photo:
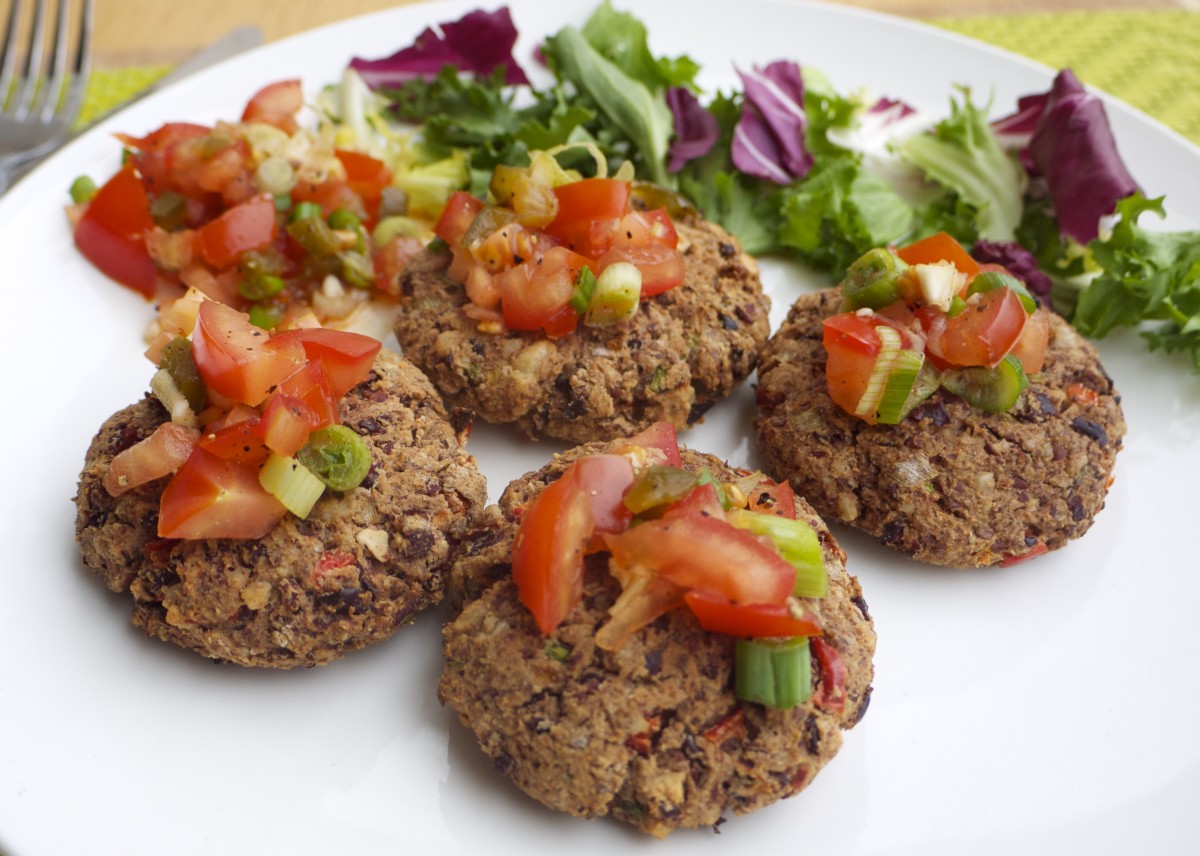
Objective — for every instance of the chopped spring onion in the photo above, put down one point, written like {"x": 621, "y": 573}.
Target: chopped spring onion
{"x": 292, "y": 483}
{"x": 585, "y": 285}
{"x": 337, "y": 456}
{"x": 395, "y": 226}
{"x": 773, "y": 672}
{"x": 305, "y": 211}
{"x": 889, "y": 349}
{"x": 266, "y": 314}
{"x": 994, "y": 389}
{"x": 872, "y": 280}
{"x": 898, "y": 390}
{"x": 615, "y": 298}
{"x": 796, "y": 541}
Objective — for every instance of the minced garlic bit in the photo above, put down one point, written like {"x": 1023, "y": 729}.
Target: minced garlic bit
{"x": 375, "y": 541}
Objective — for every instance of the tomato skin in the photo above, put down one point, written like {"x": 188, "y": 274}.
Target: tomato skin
{"x": 347, "y": 357}
{"x": 310, "y": 385}
{"x": 251, "y": 225}
{"x": 366, "y": 176}
{"x": 547, "y": 557}
{"x": 718, "y": 615}
{"x": 276, "y": 104}
{"x": 706, "y": 554}
{"x": 212, "y": 498}
{"x": 936, "y": 248}
{"x": 1030, "y": 348}
{"x": 534, "y": 292}
{"x": 604, "y": 479}
{"x": 984, "y": 332}
{"x": 851, "y": 347}
{"x": 237, "y": 359}
{"x": 458, "y": 215}
{"x": 701, "y": 499}
{"x": 662, "y": 268}
{"x": 112, "y": 232}
{"x": 241, "y": 442}
{"x": 286, "y": 423}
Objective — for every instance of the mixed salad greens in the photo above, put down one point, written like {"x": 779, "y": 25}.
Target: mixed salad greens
{"x": 792, "y": 166}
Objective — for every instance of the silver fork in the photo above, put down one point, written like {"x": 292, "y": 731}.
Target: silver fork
{"x": 39, "y": 102}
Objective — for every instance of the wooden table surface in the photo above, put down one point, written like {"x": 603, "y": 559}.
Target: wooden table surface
{"x": 152, "y": 32}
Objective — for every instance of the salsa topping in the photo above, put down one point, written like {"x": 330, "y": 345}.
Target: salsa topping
{"x": 553, "y": 248}
{"x": 254, "y": 430}
{"x": 733, "y": 554}
{"x": 927, "y": 316}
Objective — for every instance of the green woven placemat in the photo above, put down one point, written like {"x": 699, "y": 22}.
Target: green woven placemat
{"x": 1149, "y": 59}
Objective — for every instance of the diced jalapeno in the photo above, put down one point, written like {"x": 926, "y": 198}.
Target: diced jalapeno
{"x": 315, "y": 235}
{"x": 993, "y": 389}
{"x": 357, "y": 270}
{"x": 177, "y": 359}
{"x": 658, "y": 486}
{"x": 337, "y": 456}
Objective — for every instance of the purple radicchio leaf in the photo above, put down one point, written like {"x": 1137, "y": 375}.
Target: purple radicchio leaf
{"x": 1016, "y": 260}
{"x": 768, "y": 140}
{"x": 696, "y": 130}
{"x": 890, "y": 110}
{"x": 1072, "y": 147}
{"x": 478, "y": 42}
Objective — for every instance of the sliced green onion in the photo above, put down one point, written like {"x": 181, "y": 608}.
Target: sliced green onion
{"x": 266, "y": 314}
{"x": 585, "y": 285}
{"x": 889, "y": 349}
{"x": 282, "y": 203}
{"x": 615, "y": 298}
{"x": 344, "y": 218}
{"x": 872, "y": 280}
{"x": 357, "y": 270}
{"x": 556, "y": 650}
{"x": 260, "y": 287}
{"x": 796, "y": 541}
{"x": 305, "y": 211}
{"x": 83, "y": 189}
{"x": 396, "y": 225}
{"x": 293, "y": 484}
{"x": 990, "y": 280}
{"x": 337, "y": 456}
{"x": 896, "y": 393}
{"x": 176, "y": 358}
{"x": 927, "y": 383}
{"x": 957, "y": 305}
{"x": 774, "y": 672}
{"x": 993, "y": 389}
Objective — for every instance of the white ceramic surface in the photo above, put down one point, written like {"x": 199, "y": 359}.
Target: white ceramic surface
{"x": 1046, "y": 708}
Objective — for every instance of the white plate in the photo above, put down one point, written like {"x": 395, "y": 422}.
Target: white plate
{"x": 1046, "y": 708}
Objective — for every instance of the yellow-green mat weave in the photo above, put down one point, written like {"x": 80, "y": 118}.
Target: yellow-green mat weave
{"x": 1149, "y": 59}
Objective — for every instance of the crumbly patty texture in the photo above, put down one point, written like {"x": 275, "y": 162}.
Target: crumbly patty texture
{"x": 950, "y": 485}
{"x": 358, "y": 567}
{"x": 684, "y": 350}
{"x": 651, "y": 734}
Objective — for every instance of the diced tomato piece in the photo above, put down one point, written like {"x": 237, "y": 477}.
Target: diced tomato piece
{"x": 851, "y": 347}
{"x": 547, "y": 557}
{"x": 831, "y": 683}
{"x": 709, "y": 555}
{"x": 1031, "y": 346}
{"x": 771, "y": 497}
{"x": 604, "y": 479}
{"x": 390, "y": 261}
{"x": 331, "y": 195}
{"x": 659, "y": 437}
{"x": 347, "y": 357}
{"x": 562, "y": 323}
{"x": 237, "y": 359}
{"x": 747, "y": 619}
{"x": 276, "y": 104}
{"x": 587, "y": 201}
{"x": 112, "y": 232}
{"x": 212, "y": 498}
{"x": 458, "y": 215}
{"x": 533, "y": 292}
{"x": 701, "y": 499}
{"x": 662, "y": 267}
{"x": 240, "y": 442}
{"x": 286, "y": 423}
{"x": 367, "y": 176}
{"x": 158, "y": 455}
{"x": 936, "y": 248}
{"x": 251, "y": 225}
{"x": 984, "y": 332}
{"x": 310, "y": 384}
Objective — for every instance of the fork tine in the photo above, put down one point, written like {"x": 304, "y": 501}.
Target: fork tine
{"x": 33, "y": 62}
{"x": 77, "y": 86}
{"x": 45, "y": 101}
{"x": 8, "y": 61}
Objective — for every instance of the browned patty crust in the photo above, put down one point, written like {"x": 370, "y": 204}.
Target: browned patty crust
{"x": 950, "y": 485}
{"x": 359, "y": 566}
{"x": 684, "y": 350}
{"x": 651, "y": 734}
